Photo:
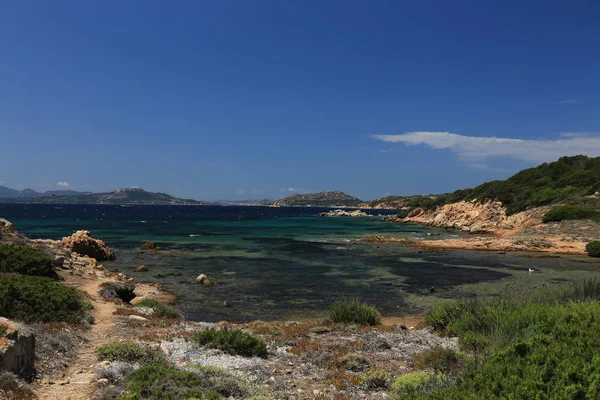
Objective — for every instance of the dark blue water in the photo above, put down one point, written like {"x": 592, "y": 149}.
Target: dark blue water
{"x": 287, "y": 262}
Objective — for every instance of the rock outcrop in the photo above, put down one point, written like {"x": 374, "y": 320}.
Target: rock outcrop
{"x": 474, "y": 217}
{"x": 81, "y": 242}
{"x": 17, "y": 347}
{"x": 344, "y": 213}
{"x": 149, "y": 246}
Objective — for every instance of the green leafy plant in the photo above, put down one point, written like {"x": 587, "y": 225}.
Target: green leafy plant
{"x": 232, "y": 341}
{"x": 161, "y": 310}
{"x": 376, "y": 379}
{"x": 38, "y": 299}
{"x": 130, "y": 352}
{"x": 162, "y": 381}
{"x": 593, "y": 248}
{"x": 354, "y": 312}
{"x": 412, "y": 383}
{"x": 24, "y": 260}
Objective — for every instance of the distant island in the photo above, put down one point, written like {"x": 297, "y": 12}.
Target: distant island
{"x": 132, "y": 196}
{"x": 319, "y": 199}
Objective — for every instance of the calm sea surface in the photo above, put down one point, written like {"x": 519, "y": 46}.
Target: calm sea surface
{"x": 273, "y": 263}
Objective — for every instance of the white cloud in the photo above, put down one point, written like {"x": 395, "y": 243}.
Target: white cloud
{"x": 568, "y": 101}
{"x": 480, "y": 148}
{"x": 258, "y": 191}
{"x": 240, "y": 191}
{"x": 62, "y": 184}
{"x": 290, "y": 189}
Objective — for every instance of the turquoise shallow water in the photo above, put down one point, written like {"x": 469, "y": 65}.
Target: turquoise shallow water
{"x": 273, "y": 263}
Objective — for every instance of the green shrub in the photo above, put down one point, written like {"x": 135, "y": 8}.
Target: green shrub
{"x": 354, "y": 312}
{"x": 38, "y": 299}
{"x": 561, "y": 213}
{"x": 24, "y": 260}
{"x": 593, "y": 248}
{"x": 2, "y": 330}
{"x": 527, "y": 349}
{"x": 440, "y": 359}
{"x": 376, "y": 379}
{"x": 161, "y": 310}
{"x": 164, "y": 382}
{"x": 412, "y": 383}
{"x": 232, "y": 341}
{"x": 130, "y": 352}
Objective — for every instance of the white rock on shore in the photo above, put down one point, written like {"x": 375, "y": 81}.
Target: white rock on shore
{"x": 344, "y": 213}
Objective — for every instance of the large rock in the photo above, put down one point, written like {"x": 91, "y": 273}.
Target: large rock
{"x": 6, "y": 226}
{"x": 118, "y": 291}
{"x": 17, "y": 347}
{"x": 149, "y": 246}
{"x": 344, "y": 213}
{"x": 81, "y": 242}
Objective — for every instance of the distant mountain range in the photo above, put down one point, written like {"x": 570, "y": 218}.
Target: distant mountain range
{"x": 118, "y": 196}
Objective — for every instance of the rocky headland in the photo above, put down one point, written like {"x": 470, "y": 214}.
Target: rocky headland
{"x": 344, "y": 213}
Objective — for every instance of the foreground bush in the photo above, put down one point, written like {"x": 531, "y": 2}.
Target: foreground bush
{"x": 593, "y": 248}
{"x": 413, "y": 383}
{"x": 232, "y": 341}
{"x": 24, "y": 260}
{"x": 161, "y": 381}
{"x": 561, "y": 213}
{"x": 130, "y": 352}
{"x": 161, "y": 310}
{"x": 442, "y": 360}
{"x": 354, "y": 312}
{"x": 528, "y": 350}
{"x": 38, "y": 299}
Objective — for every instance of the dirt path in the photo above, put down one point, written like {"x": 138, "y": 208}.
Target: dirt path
{"x": 78, "y": 382}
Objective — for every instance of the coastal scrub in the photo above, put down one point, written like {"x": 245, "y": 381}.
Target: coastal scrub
{"x": 37, "y": 299}
{"x": 160, "y": 310}
{"x": 232, "y": 341}
{"x": 130, "y": 352}
{"x": 24, "y": 260}
{"x": 354, "y": 312}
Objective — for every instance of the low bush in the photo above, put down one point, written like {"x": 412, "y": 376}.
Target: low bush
{"x": 376, "y": 379}
{"x": 593, "y": 248}
{"x": 161, "y": 310}
{"x": 440, "y": 359}
{"x": 354, "y": 312}
{"x": 413, "y": 383}
{"x": 11, "y": 387}
{"x": 541, "y": 348}
{"x": 38, "y": 299}
{"x": 130, "y": 352}
{"x": 561, "y": 213}
{"x": 25, "y": 260}
{"x": 232, "y": 341}
{"x": 162, "y": 381}
{"x": 2, "y": 330}
{"x": 354, "y": 362}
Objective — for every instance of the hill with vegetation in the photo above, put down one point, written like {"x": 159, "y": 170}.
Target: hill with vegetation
{"x": 319, "y": 199}
{"x": 125, "y": 196}
{"x": 568, "y": 180}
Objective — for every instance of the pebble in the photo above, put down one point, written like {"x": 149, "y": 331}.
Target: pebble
{"x": 136, "y": 318}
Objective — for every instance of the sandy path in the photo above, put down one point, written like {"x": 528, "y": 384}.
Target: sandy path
{"x": 78, "y": 383}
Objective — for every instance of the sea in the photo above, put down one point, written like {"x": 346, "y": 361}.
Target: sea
{"x": 287, "y": 263}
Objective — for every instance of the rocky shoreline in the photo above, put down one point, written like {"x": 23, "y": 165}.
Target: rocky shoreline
{"x": 494, "y": 230}
{"x": 314, "y": 359}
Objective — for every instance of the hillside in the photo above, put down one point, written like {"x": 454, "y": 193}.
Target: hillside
{"x": 118, "y": 196}
{"x": 567, "y": 180}
{"x": 6, "y": 192}
{"x": 398, "y": 202}
{"x": 319, "y": 199}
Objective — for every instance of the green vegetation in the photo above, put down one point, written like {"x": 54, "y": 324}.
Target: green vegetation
{"x": 526, "y": 349}
{"x": 320, "y": 199}
{"x": 561, "y": 213}
{"x": 593, "y": 248}
{"x": 161, "y": 310}
{"x": 24, "y": 260}
{"x": 2, "y": 330}
{"x": 38, "y": 299}
{"x": 232, "y": 341}
{"x": 567, "y": 180}
{"x": 354, "y": 312}
{"x": 130, "y": 352}
{"x": 376, "y": 379}
{"x": 164, "y": 382}
{"x": 412, "y": 383}
{"x": 442, "y": 360}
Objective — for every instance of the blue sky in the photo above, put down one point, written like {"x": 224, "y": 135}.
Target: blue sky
{"x": 239, "y": 99}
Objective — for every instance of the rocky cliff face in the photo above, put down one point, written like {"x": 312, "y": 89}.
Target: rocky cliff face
{"x": 17, "y": 347}
{"x": 475, "y": 217}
